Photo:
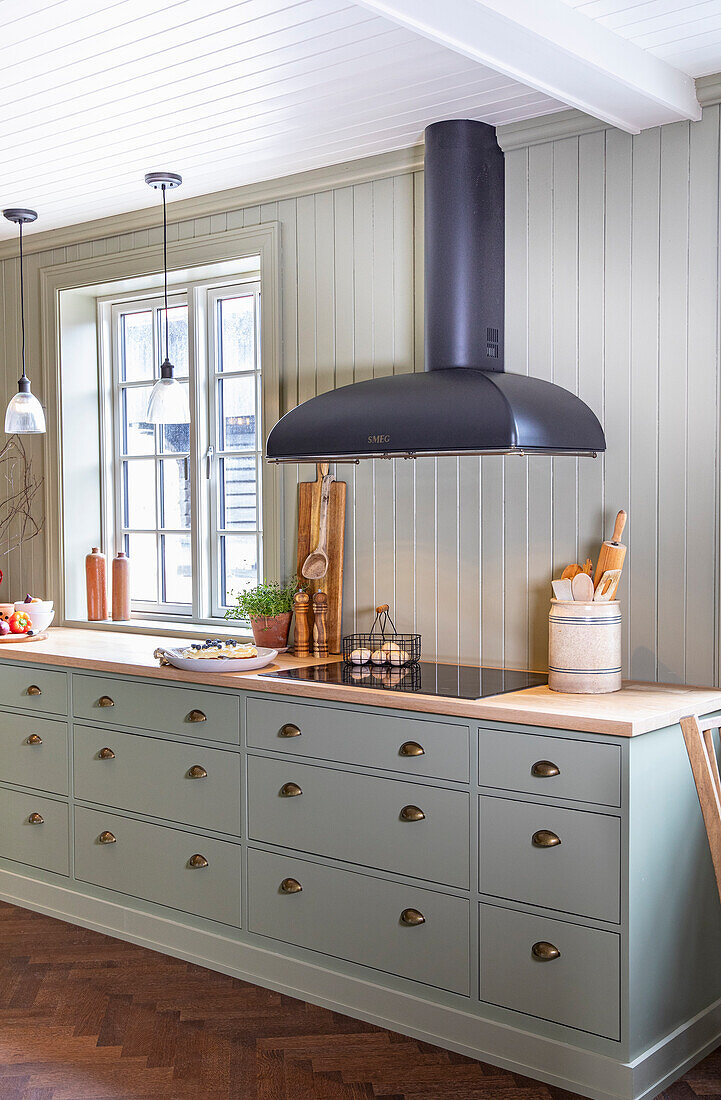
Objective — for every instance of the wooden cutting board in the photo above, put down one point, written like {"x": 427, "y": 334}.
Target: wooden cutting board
{"x": 308, "y": 522}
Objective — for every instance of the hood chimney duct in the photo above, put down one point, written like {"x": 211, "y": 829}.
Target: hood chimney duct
{"x": 464, "y": 246}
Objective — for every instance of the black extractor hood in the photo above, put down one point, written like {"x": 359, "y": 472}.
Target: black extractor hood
{"x": 464, "y": 402}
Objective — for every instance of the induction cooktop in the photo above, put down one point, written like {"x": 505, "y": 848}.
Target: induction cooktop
{"x": 426, "y": 677}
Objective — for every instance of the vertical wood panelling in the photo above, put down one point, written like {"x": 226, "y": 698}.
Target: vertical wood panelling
{"x": 612, "y": 271}
{"x": 643, "y": 500}
{"x": 617, "y": 317}
{"x": 672, "y": 401}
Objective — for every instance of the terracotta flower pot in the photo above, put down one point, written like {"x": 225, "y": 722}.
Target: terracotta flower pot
{"x": 272, "y": 631}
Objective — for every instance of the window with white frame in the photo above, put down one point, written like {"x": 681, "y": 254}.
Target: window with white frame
{"x": 185, "y": 499}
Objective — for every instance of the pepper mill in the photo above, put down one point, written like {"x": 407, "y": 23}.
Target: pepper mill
{"x": 121, "y": 587}
{"x": 320, "y": 627}
{"x": 96, "y": 584}
{"x": 301, "y": 637}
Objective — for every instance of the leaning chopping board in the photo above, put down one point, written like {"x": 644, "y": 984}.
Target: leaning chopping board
{"x": 309, "y": 495}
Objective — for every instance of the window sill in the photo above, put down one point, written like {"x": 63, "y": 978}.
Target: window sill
{"x": 166, "y": 629}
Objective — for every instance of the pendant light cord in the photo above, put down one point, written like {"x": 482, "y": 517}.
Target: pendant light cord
{"x": 165, "y": 272}
{"x": 22, "y": 301}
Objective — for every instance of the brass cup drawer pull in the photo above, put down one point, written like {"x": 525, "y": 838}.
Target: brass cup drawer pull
{"x": 33, "y": 690}
{"x": 412, "y": 917}
{"x": 290, "y": 886}
{"x": 411, "y": 748}
{"x": 545, "y": 952}
{"x": 289, "y": 730}
{"x": 197, "y": 861}
{"x": 290, "y": 790}
{"x": 36, "y": 819}
{"x": 197, "y": 772}
{"x": 544, "y": 838}
{"x": 197, "y": 716}
{"x": 412, "y": 813}
{"x": 545, "y": 769}
{"x": 34, "y": 739}
{"x": 106, "y": 754}
{"x": 106, "y": 837}
{"x": 105, "y": 701}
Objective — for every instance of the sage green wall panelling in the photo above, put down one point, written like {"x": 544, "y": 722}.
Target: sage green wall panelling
{"x": 612, "y": 289}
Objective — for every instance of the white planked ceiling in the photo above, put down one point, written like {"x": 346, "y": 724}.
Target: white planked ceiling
{"x": 685, "y": 33}
{"x": 97, "y": 92}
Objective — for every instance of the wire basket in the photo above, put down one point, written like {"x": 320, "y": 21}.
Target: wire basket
{"x": 401, "y": 649}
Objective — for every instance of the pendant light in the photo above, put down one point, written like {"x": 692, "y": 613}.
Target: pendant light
{"x": 168, "y": 403}
{"x": 24, "y": 414}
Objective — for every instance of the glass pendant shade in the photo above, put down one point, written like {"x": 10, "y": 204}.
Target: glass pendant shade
{"x": 24, "y": 415}
{"x": 168, "y": 403}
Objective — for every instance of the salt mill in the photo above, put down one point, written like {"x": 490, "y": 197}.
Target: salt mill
{"x": 301, "y": 636}
{"x": 320, "y": 627}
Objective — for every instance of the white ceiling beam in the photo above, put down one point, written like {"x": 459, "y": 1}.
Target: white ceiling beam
{"x": 556, "y": 50}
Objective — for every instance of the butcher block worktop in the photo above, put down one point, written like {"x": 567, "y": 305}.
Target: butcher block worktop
{"x": 637, "y": 708}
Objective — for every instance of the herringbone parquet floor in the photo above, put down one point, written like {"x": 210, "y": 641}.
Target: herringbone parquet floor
{"x": 86, "y": 1017}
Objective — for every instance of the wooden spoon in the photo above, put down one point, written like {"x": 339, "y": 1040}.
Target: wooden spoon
{"x": 315, "y": 565}
{"x": 582, "y": 588}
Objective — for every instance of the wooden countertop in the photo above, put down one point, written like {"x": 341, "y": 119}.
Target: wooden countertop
{"x": 637, "y": 708}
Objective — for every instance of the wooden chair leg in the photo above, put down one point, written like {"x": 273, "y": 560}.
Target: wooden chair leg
{"x": 705, "y": 767}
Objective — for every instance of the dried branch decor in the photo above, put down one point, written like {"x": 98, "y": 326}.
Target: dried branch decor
{"x": 18, "y": 489}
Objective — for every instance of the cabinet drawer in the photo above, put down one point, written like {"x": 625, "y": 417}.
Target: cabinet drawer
{"x": 34, "y": 689}
{"x": 153, "y": 862}
{"x": 360, "y": 737}
{"x": 358, "y": 918}
{"x": 158, "y": 778}
{"x": 42, "y": 843}
{"x": 185, "y": 712}
{"x": 357, "y": 818}
{"x": 580, "y": 988}
{"x": 34, "y": 752}
{"x": 581, "y": 770}
{"x": 519, "y": 860}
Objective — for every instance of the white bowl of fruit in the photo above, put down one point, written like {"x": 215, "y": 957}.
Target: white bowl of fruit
{"x": 41, "y": 612}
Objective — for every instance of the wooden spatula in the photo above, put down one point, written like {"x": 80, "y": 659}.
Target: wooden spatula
{"x": 612, "y": 552}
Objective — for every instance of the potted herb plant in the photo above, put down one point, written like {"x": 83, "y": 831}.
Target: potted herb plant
{"x": 269, "y": 607}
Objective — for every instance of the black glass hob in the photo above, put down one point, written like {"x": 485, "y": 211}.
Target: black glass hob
{"x": 426, "y": 677}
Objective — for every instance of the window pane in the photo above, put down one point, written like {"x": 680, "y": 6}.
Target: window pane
{"x": 177, "y": 338}
{"x": 238, "y": 565}
{"x": 142, "y": 551}
{"x": 138, "y": 436}
{"x": 139, "y": 479}
{"x": 178, "y": 569}
{"x": 176, "y": 438}
{"x": 137, "y": 346}
{"x": 237, "y": 333}
{"x": 236, "y": 413}
{"x": 238, "y": 493}
{"x": 176, "y": 493}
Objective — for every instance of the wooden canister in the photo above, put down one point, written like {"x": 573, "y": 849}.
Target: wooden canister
{"x": 584, "y": 646}
{"x": 96, "y": 584}
{"x": 121, "y": 587}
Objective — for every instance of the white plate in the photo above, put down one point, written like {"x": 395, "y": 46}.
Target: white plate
{"x": 221, "y": 664}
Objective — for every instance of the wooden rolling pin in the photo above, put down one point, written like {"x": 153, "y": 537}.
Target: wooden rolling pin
{"x": 612, "y": 553}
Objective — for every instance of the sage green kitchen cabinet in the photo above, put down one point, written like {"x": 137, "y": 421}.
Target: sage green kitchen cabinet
{"x": 179, "y": 782}
{"x": 413, "y": 829}
{"x": 168, "y": 866}
{"x": 184, "y": 712}
{"x": 34, "y": 752}
{"x": 538, "y": 897}
{"x": 34, "y": 830}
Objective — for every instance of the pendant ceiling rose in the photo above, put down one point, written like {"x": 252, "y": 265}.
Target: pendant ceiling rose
{"x": 20, "y": 215}
{"x": 163, "y": 179}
